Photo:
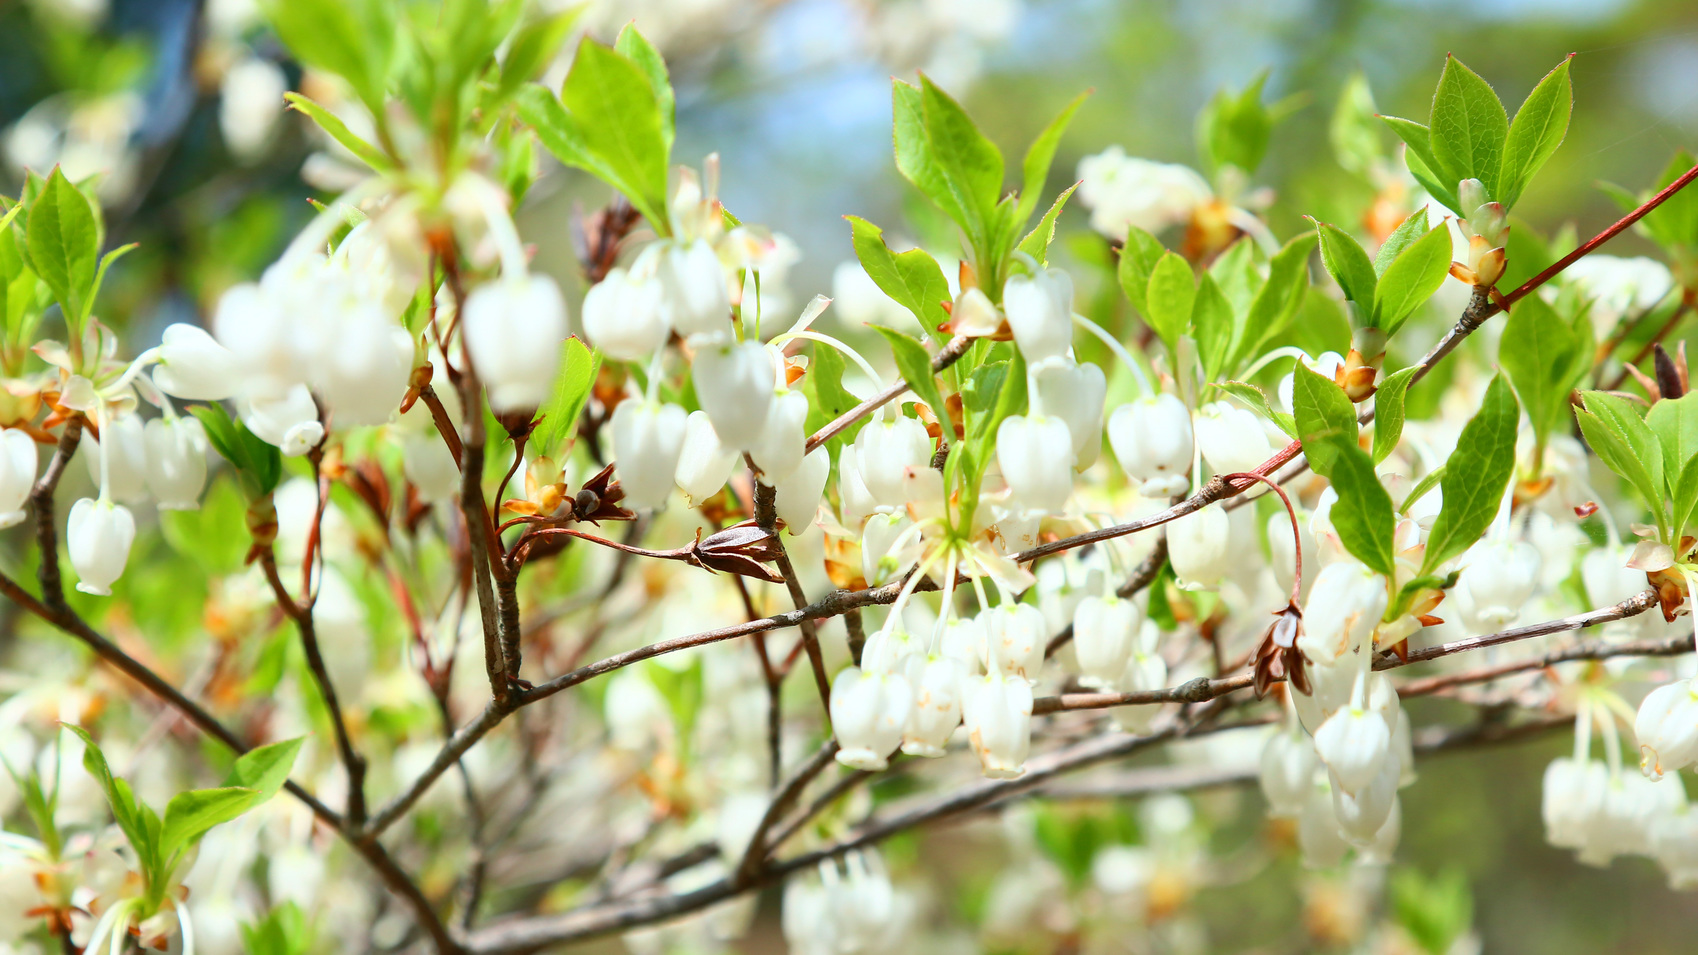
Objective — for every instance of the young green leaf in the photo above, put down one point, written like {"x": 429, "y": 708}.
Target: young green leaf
{"x": 641, "y": 52}
{"x": 1322, "y": 412}
{"x": 534, "y": 46}
{"x": 1138, "y": 258}
{"x": 1362, "y": 515}
{"x": 1420, "y": 160}
{"x": 1349, "y": 264}
{"x": 1276, "y": 303}
{"x": 619, "y": 116}
{"x": 339, "y": 131}
{"x": 1034, "y": 169}
{"x": 130, "y": 816}
{"x": 1539, "y": 127}
{"x": 351, "y": 38}
{"x": 1536, "y": 351}
{"x": 829, "y": 399}
{"x": 1234, "y": 130}
{"x": 1405, "y": 235}
{"x": 63, "y": 240}
{"x": 1169, "y": 298}
{"x": 1036, "y": 243}
{"x": 566, "y": 399}
{"x": 1675, "y": 423}
{"x": 264, "y": 769}
{"x": 913, "y": 278}
{"x": 1212, "y": 324}
{"x": 1623, "y": 419}
{"x": 1412, "y": 278}
{"x": 1352, "y": 132}
{"x": 1468, "y": 128}
{"x": 916, "y": 368}
{"x": 190, "y": 814}
{"x": 1476, "y": 475}
{"x": 1388, "y": 412}
{"x": 1258, "y": 402}
{"x": 1684, "y": 498}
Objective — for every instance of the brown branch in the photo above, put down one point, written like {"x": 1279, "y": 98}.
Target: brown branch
{"x": 755, "y": 854}
{"x": 950, "y": 354}
{"x": 46, "y": 515}
{"x": 766, "y": 517}
{"x": 444, "y": 423}
{"x": 1142, "y": 577}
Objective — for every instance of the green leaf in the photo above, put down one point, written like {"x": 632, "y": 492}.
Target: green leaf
{"x": 1234, "y": 130}
{"x": 1362, "y": 515}
{"x": 1138, "y": 258}
{"x": 1388, "y": 412}
{"x": 1476, "y": 475}
{"x": 1322, "y": 412}
{"x": 63, "y": 237}
{"x": 1418, "y": 156}
{"x": 1468, "y": 128}
{"x": 829, "y": 400}
{"x": 190, "y": 814}
{"x": 1684, "y": 497}
{"x": 535, "y": 45}
{"x": 1161, "y": 606}
{"x": 566, "y": 399}
{"x": 1675, "y": 222}
{"x": 264, "y": 769}
{"x": 351, "y": 38}
{"x": 1434, "y": 912}
{"x": 915, "y": 365}
{"x": 1035, "y": 168}
{"x": 1675, "y": 423}
{"x": 214, "y": 535}
{"x": 1412, "y": 278}
{"x": 1421, "y": 488}
{"x": 1036, "y": 243}
{"x": 640, "y": 51}
{"x": 1536, "y": 351}
{"x": 258, "y": 465}
{"x": 1354, "y": 135}
{"x": 1405, "y": 235}
{"x": 1539, "y": 128}
{"x": 619, "y": 117}
{"x": 1624, "y": 419}
{"x": 1212, "y": 324}
{"x": 1348, "y": 263}
{"x": 1276, "y": 303}
{"x": 339, "y": 131}
{"x": 945, "y": 156}
{"x": 1169, "y": 298}
{"x": 130, "y": 816}
{"x": 913, "y": 278}
{"x": 1612, "y": 448}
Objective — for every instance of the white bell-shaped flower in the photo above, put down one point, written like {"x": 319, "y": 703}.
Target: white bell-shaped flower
{"x": 176, "y": 462}
{"x": 1145, "y": 671}
{"x": 777, "y": 451}
{"x": 998, "y": 713}
{"x": 1354, "y": 744}
{"x": 1074, "y": 393}
{"x": 1040, "y": 313}
{"x": 1035, "y": 453}
{"x": 251, "y": 321}
{"x": 1200, "y": 547}
{"x": 1499, "y": 580}
{"x": 513, "y": 328}
{"x": 890, "y": 455}
{"x": 98, "y": 535}
{"x": 289, "y": 422}
{"x": 1104, "y": 629}
{"x": 647, "y": 439}
{"x": 1363, "y": 812}
{"x": 704, "y": 465}
{"x": 855, "y": 502}
{"x": 937, "y": 681}
{"x": 18, "y": 461}
{"x": 884, "y": 555}
{"x": 1152, "y": 439}
{"x": 868, "y": 714}
{"x": 1667, "y": 729}
{"x": 1674, "y": 842}
{"x": 124, "y": 436}
{"x": 1330, "y": 685}
{"x": 193, "y": 366}
{"x": 1232, "y": 439}
{"x": 1344, "y": 606}
{"x": 625, "y": 315}
{"x": 963, "y": 640}
{"x": 696, "y": 292}
{"x": 734, "y": 383}
{"x": 798, "y": 496}
{"x": 363, "y": 379}
{"x": 1318, "y": 836}
{"x": 1015, "y": 639}
{"x": 1288, "y": 772}
{"x": 1572, "y": 796}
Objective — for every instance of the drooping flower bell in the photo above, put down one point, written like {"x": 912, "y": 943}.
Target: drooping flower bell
{"x": 1353, "y": 743}
{"x": 1200, "y": 547}
{"x": 1152, "y": 440}
{"x": 1035, "y": 453}
{"x": 734, "y": 383}
{"x": 98, "y": 535}
{"x": 194, "y": 366}
{"x": 1233, "y": 439}
{"x": 891, "y": 455}
{"x": 797, "y": 497}
{"x": 869, "y": 711}
{"x": 1074, "y": 393}
{"x": 647, "y": 439}
{"x": 289, "y": 422}
{"x": 937, "y": 681}
{"x": 696, "y": 292}
{"x": 704, "y": 465}
{"x": 777, "y": 450}
{"x": 1344, "y": 606}
{"x": 625, "y": 315}
{"x": 1499, "y": 580}
{"x": 514, "y": 327}
{"x": 1667, "y": 729}
{"x": 1288, "y": 771}
{"x": 18, "y": 461}
{"x": 176, "y": 462}
{"x": 998, "y": 713}
{"x": 1104, "y": 629}
{"x": 124, "y": 437}
{"x": 1014, "y": 640}
{"x": 1040, "y": 313}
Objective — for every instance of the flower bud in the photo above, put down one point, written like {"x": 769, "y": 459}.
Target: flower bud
{"x": 1104, "y": 629}
{"x": 647, "y": 439}
{"x": 513, "y": 328}
{"x": 290, "y": 422}
{"x": 1035, "y": 453}
{"x": 1499, "y": 580}
{"x": 625, "y": 316}
{"x": 696, "y": 292}
{"x": 704, "y": 465}
{"x": 1074, "y": 393}
{"x": 1014, "y": 640}
{"x": 891, "y": 456}
{"x": 777, "y": 451}
{"x": 1232, "y": 438}
{"x": 734, "y": 383}
{"x": 1040, "y": 313}
{"x": 1152, "y": 439}
{"x": 1199, "y": 545}
{"x": 18, "y": 461}
{"x": 176, "y": 462}
{"x": 1667, "y": 729}
{"x": 193, "y": 366}
{"x": 799, "y": 495}
{"x": 98, "y": 536}
{"x": 1288, "y": 772}
{"x": 125, "y": 437}
{"x": 998, "y": 713}
{"x": 868, "y": 714}
{"x": 1354, "y": 744}
{"x": 937, "y": 682}
{"x": 1344, "y": 606}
